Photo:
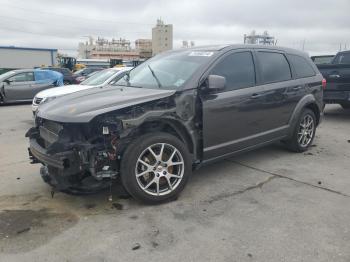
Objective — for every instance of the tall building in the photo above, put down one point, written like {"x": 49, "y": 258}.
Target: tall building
{"x": 162, "y": 37}
{"x": 264, "y": 39}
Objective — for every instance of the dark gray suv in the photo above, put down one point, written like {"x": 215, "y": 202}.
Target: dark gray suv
{"x": 176, "y": 112}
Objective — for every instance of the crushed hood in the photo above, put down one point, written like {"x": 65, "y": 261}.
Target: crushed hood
{"x": 83, "y": 106}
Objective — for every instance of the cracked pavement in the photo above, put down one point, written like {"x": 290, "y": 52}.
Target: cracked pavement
{"x": 266, "y": 205}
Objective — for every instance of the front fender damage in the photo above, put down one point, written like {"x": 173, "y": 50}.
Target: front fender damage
{"x": 85, "y": 158}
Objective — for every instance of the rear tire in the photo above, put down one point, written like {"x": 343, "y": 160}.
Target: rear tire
{"x": 304, "y": 132}
{"x": 155, "y": 168}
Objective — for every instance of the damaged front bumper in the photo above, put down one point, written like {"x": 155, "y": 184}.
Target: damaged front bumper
{"x": 78, "y": 168}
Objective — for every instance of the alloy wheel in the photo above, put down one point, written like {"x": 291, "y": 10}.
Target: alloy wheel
{"x": 306, "y": 130}
{"x": 159, "y": 169}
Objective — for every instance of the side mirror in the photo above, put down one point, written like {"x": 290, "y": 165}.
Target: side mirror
{"x": 216, "y": 82}
{"x": 7, "y": 81}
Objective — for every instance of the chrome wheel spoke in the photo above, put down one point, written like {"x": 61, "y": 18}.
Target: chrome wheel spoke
{"x": 143, "y": 173}
{"x": 156, "y": 157}
{"x": 175, "y": 163}
{"x": 161, "y": 152}
{"x": 159, "y": 169}
{"x": 173, "y": 175}
{"x": 150, "y": 183}
{"x": 169, "y": 183}
{"x": 157, "y": 185}
{"x": 144, "y": 163}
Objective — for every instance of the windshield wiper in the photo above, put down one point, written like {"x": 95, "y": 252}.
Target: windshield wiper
{"x": 155, "y": 77}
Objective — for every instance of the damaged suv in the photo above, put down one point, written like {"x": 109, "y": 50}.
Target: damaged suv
{"x": 174, "y": 113}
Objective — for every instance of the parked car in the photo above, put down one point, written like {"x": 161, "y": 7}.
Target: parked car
{"x": 82, "y": 74}
{"x": 177, "y": 111}
{"x": 68, "y": 77}
{"x": 22, "y": 85}
{"x": 337, "y": 74}
{"x": 99, "y": 79}
{"x": 322, "y": 59}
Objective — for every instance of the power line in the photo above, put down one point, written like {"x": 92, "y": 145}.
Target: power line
{"x": 72, "y": 17}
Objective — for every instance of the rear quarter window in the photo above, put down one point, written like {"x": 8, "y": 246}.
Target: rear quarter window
{"x": 274, "y": 67}
{"x": 301, "y": 66}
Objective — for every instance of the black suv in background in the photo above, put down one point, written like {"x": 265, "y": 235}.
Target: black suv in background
{"x": 68, "y": 77}
{"x": 337, "y": 74}
{"x": 177, "y": 111}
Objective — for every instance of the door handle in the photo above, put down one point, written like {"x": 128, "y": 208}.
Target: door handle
{"x": 255, "y": 96}
{"x": 334, "y": 76}
{"x": 296, "y": 88}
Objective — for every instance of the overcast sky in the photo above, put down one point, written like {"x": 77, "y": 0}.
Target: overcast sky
{"x": 321, "y": 24}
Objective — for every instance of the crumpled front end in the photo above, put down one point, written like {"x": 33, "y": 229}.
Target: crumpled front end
{"x": 76, "y": 158}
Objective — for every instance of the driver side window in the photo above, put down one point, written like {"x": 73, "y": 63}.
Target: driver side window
{"x": 22, "y": 77}
{"x": 238, "y": 69}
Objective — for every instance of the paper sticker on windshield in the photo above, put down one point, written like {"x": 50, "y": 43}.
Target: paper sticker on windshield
{"x": 199, "y": 53}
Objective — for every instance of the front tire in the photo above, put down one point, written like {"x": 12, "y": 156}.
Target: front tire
{"x": 155, "y": 168}
{"x": 304, "y": 132}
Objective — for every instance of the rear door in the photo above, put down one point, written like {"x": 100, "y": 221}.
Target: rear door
{"x": 19, "y": 87}
{"x": 232, "y": 117}
{"x": 282, "y": 92}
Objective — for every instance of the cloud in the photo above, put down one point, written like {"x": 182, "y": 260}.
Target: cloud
{"x": 62, "y": 24}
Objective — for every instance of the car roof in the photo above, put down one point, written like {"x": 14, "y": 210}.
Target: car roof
{"x": 22, "y": 70}
{"x": 241, "y": 46}
{"x": 344, "y": 52}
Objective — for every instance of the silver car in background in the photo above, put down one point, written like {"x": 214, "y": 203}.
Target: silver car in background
{"x": 22, "y": 85}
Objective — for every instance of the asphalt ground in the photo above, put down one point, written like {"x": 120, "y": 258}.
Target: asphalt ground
{"x": 266, "y": 205}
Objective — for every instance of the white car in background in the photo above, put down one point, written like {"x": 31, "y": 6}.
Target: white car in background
{"x": 98, "y": 79}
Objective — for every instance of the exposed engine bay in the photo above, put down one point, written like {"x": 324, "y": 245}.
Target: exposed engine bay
{"x": 83, "y": 158}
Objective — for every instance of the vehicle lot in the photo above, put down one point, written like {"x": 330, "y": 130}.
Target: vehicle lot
{"x": 267, "y": 205}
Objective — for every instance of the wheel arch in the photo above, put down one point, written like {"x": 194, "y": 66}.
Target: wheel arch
{"x": 308, "y": 102}
{"x": 171, "y": 126}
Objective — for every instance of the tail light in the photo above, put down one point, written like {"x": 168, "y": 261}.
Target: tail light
{"x": 324, "y": 83}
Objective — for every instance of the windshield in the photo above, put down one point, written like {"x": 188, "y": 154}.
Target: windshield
{"x": 169, "y": 71}
{"x": 7, "y": 74}
{"x": 99, "y": 78}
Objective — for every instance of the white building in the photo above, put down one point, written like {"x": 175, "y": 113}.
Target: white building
{"x": 162, "y": 37}
{"x": 12, "y": 57}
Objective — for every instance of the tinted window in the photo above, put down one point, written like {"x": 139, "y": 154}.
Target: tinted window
{"x": 22, "y": 77}
{"x": 274, "y": 67}
{"x": 301, "y": 66}
{"x": 318, "y": 60}
{"x": 343, "y": 58}
{"x": 238, "y": 69}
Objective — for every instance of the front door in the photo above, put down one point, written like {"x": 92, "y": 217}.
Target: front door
{"x": 232, "y": 117}
{"x": 19, "y": 87}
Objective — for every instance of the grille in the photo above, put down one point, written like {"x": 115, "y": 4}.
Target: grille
{"x": 37, "y": 100}
{"x": 49, "y": 131}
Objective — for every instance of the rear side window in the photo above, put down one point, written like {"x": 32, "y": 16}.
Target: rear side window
{"x": 301, "y": 66}
{"x": 238, "y": 69}
{"x": 274, "y": 67}
{"x": 343, "y": 58}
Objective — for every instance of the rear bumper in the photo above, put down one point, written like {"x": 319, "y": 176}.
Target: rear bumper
{"x": 335, "y": 97}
